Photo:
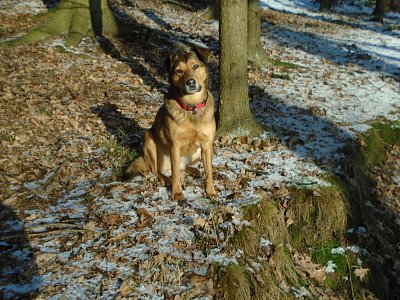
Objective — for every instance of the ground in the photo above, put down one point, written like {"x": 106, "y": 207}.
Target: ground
{"x": 72, "y": 117}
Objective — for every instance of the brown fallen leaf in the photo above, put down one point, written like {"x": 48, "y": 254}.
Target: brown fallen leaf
{"x": 114, "y": 219}
{"x": 361, "y": 272}
{"x": 145, "y": 219}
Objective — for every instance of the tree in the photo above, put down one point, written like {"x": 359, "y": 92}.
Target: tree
{"x": 255, "y": 52}
{"x": 75, "y": 19}
{"x": 379, "y": 11}
{"x": 235, "y": 117}
{"x": 325, "y": 5}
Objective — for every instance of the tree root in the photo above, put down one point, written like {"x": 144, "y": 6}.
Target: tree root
{"x": 75, "y": 20}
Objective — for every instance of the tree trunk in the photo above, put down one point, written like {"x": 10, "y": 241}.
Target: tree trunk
{"x": 255, "y": 51}
{"x": 325, "y": 5}
{"x": 212, "y": 12}
{"x": 235, "y": 118}
{"x": 75, "y": 19}
{"x": 379, "y": 11}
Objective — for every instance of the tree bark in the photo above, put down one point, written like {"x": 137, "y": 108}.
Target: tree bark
{"x": 235, "y": 118}
{"x": 75, "y": 19}
{"x": 379, "y": 11}
{"x": 255, "y": 51}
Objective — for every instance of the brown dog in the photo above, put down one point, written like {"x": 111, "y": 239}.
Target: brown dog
{"x": 184, "y": 128}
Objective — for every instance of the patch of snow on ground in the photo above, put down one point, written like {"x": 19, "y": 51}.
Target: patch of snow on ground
{"x": 330, "y": 267}
{"x": 351, "y": 74}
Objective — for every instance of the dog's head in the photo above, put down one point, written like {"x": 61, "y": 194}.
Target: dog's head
{"x": 187, "y": 71}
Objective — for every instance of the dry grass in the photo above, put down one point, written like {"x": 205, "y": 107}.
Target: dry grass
{"x": 319, "y": 215}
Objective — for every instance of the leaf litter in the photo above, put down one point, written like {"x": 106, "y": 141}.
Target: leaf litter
{"x": 64, "y": 117}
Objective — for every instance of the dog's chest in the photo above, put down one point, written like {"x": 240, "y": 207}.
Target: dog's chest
{"x": 191, "y": 139}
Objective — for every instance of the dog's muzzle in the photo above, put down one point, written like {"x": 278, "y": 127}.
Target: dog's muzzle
{"x": 191, "y": 86}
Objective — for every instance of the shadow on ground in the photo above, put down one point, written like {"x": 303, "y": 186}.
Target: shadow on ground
{"x": 124, "y": 129}
{"x": 19, "y": 276}
{"x": 340, "y": 52}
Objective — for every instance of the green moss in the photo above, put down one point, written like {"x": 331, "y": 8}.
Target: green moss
{"x": 73, "y": 20}
{"x": 284, "y": 64}
{"x": 322, "y": 255}
{"x": 389, "y": 132}
{"x": 373, "y": 151}
{"x": 382, "y": 134}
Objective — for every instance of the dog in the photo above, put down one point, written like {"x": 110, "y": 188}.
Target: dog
{"x": 184, "y": 128}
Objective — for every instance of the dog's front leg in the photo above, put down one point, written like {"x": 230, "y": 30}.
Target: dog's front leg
{"x": 206, "y": 155}
{"x": 176, "y": 173}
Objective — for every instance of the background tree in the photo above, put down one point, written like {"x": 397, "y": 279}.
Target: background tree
{"x": 379, "y": 11}
{"x": 326, "y": 5}
{"x": 75, "y": 19}
{"x": 255, "y": 52}
{"x": 235, "y": 117}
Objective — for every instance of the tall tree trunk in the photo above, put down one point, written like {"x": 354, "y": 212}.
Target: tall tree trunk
{"x": 379, "y": 11}
{"x": 235, "y": 118}
{"x": 75, "y": 19}
{"x": 325, "y": 5}
{"x": 255, "y": 51}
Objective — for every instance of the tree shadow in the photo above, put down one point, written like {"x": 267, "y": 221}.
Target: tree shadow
{"x": 19, "y": 276}
{"x": 368, "y": 25}
{"x": 143, "y": 46}
{"x": 51, "y": 3}
{"x": 124, "y": 129}
{"x": 333, "y": 149}
{"x": 343, "y": 53}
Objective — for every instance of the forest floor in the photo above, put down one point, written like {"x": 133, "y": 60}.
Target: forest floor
{"x": 71, "y": 118}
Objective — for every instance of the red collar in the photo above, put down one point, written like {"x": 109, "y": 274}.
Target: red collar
{"x": 193, "y": 108}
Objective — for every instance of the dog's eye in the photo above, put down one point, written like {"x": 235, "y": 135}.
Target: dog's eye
{"x": 196, "y": 66}
{"x": 179, "y": 71}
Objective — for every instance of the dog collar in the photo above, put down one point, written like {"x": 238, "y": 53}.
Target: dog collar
{"x": 193, "y": 108}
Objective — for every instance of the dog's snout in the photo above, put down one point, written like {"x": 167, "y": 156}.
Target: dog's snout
{"x": 191, "y": 82}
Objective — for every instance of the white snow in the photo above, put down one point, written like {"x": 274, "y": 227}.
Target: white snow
{"x": 330, "y": 267}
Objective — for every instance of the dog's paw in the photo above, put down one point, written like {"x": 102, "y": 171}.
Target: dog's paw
{"x": 211, "y": 193}
{"x": 177, "y": 196}
{"x": 164, "y": 180}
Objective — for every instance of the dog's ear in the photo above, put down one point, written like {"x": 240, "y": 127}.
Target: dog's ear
{"x": 202, "y": 53}
{"x": 170, "y": 61}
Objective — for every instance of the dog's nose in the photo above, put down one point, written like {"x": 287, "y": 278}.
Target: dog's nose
{"x": 191, "y": 82}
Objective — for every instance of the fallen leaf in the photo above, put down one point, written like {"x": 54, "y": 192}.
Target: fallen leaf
{"x": 361, "y": 272}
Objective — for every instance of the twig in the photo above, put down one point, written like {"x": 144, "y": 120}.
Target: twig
{"x": 45, "y": 233}
{"x": 351, "y": 282}
{"x": 56, "y": 225}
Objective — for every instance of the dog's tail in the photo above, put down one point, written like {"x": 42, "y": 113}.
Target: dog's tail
{"x": 137, "y": 167}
